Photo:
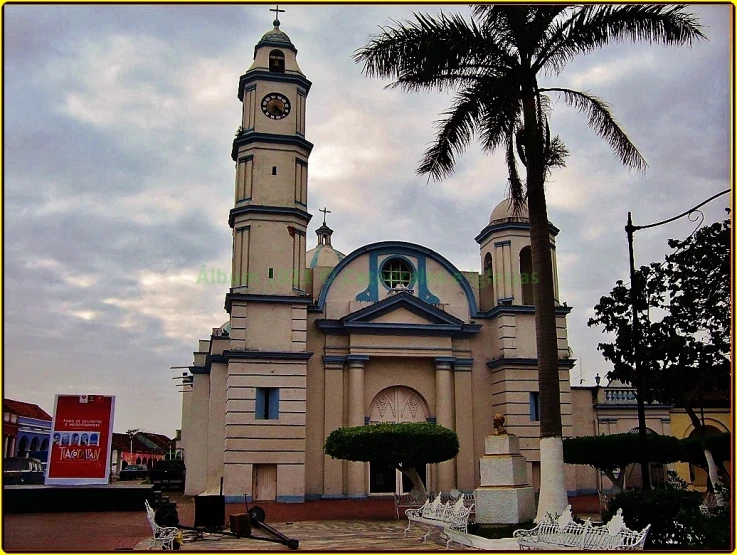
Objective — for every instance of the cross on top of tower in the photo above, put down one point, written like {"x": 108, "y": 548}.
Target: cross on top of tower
{"x": 276, "y": 11}
{"x": 325, "y": 212}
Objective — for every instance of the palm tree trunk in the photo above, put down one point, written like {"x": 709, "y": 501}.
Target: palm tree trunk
{"x": 553, "y": 498}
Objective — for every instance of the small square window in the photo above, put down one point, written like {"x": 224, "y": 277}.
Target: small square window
{"x": 273, "y": 170}
{"x": 267, "y": 403}
{"x": 534, "y": 406}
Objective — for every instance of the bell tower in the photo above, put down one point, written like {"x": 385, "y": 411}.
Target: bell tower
{"x": 269, "y": 218}
{"x": 265, "y": 385}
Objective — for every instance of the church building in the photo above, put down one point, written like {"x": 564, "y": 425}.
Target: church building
{"x": 317, "y": 339}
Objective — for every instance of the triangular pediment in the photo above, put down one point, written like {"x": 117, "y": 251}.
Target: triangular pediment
{"x": 402, "y": 308}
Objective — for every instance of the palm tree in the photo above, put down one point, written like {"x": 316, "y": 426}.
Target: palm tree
{"x": 492, "y": 63}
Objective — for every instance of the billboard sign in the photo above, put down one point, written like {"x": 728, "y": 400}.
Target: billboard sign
{"x": 81, "y": 439}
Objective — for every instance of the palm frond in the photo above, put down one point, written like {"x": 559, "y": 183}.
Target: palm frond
{"x": 500, "y": 98}
{"x": 556, "y": 154}
{"x": 415, "y": 52}
{"x": 594, "y": 26}
{"x": 516, "y": 192}
{"x": 603, "y": 123}
{"x": 455, "y": 132}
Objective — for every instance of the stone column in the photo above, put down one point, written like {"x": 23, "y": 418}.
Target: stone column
{"x": 356, "y": 471}
{"x": 445, "y": 415}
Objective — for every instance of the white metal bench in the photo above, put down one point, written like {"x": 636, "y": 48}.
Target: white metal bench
{"x": 408, "y": 501}
{"x": 164, "y": 536}
{"x": 442, "y": 517}
{"x": 563, "y": 533}
{"x": 414, "y": 500}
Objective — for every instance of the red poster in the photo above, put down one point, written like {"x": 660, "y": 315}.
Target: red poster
{"x": 81, "y": 438}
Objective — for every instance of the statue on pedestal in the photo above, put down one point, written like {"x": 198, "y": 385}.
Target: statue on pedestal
{"x": 498, "y": 422}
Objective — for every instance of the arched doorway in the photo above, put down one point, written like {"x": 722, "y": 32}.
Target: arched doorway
{"x": 395, "y": 404}
{"x": 23, "y": 447}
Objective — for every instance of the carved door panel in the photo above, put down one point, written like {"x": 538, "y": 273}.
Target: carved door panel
{"x": 398, "y": 404}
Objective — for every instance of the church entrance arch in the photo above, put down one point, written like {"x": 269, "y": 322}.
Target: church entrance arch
{"x": 395, "y": 404}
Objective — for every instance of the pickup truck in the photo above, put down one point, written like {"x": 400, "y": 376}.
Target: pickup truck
{"x": 169, "y": 473}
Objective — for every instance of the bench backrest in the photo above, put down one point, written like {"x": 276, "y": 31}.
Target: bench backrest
{"x": 433, "y": 509}
{"x": 151, "y": 516}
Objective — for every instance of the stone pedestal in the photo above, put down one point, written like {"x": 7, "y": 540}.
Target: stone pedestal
{"x": 505, "y": 496}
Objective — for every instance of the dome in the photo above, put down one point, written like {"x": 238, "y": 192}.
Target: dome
{"x": 503, "y": 210}
{"x": 324, "y": 255}
{"x": 275, "y": 37}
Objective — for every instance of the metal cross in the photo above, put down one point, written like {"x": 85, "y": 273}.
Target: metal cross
{"x": 325, "y": 212}
{"x": 276, "y": 11}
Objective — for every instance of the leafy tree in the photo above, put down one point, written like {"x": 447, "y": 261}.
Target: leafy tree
{"x": 615, "y": 452}
{"x": 685, "y": 351}
{"x": 493, "y": 63}
{"x": 609, "y": 453}
{"x": 405, "y": 447}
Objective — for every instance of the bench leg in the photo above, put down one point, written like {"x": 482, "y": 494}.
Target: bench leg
{"x": 429, "y": 533}
{"x": 409, "y": 525}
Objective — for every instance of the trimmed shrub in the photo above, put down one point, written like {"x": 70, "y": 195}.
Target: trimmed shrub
{"x": 719, "y": 445}
{"x": 399, "y": 445}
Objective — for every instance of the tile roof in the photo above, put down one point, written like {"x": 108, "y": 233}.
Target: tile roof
{"x": 28, "y": 410}
{"x": 142, "y": 442}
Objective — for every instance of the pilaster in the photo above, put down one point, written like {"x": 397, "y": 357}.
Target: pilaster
{"x": 356, "y": 471}
{"x": 444, "y": 412}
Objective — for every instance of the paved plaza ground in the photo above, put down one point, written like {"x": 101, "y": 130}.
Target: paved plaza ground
{"x": 362, "y": 526}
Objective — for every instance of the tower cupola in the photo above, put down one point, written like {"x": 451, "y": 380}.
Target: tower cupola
{"x": 324, "y": 254}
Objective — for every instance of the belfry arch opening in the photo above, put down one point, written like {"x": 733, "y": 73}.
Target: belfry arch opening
{"x": 276, "y": 61}
{"x": 488, "y": 268}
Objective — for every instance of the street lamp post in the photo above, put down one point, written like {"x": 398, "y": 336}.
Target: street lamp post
{"x": 640, "y": 369}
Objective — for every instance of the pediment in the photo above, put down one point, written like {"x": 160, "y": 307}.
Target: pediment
{"x": 402, "y": 308}
{"x": 400, "y": 314}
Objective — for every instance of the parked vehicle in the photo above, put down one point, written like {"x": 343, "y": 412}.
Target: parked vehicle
{"x": 169, "y": 473}
{"x": 134, "y": 472}
{"x": 21, "y": 470}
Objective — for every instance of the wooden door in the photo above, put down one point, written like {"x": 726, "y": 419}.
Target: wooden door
{"x": 264, "y": 482}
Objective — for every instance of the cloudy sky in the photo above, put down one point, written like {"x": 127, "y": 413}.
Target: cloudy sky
{"x": 118, "y": 178}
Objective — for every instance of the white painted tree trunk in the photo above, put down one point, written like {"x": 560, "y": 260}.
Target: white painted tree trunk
{"x": 713, "y": 476}
{"x": 412, "y": 474}
{"x": 553, "y": 495}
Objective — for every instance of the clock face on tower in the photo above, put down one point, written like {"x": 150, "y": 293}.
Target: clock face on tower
{"x": 275, "y": 106}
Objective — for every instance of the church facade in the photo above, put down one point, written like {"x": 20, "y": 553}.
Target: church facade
{"x": 317, "y": 340}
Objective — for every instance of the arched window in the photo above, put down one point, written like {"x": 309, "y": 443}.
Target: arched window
{"x": 138, "y": 460}
{"x": 45, "y": 444}
{"x": 276, "y": 61}
{"x": 34, "y": 444}
{"x": 525, "y": 275}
